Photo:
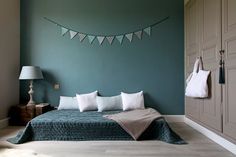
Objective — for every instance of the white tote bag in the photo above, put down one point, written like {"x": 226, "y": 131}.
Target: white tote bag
{"x": 197, "y": 86}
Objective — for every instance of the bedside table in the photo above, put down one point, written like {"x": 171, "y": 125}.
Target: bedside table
{"x": 21, "y": 114}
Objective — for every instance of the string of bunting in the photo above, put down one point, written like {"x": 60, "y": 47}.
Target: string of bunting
{"x": 110, "y": 38}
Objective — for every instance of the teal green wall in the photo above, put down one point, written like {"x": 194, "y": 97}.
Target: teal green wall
{"x": 154, "y": 64}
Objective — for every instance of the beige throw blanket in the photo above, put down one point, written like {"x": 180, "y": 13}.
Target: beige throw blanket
{"x": 135, "y": 122}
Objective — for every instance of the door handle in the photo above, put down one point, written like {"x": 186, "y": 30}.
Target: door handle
{"x": 221, "y": 52}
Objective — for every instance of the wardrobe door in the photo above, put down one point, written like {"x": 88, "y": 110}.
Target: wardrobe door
{"x": 210, "y": 45}
{"x": 229, "y": 45}
{"x": 191, "y": 52}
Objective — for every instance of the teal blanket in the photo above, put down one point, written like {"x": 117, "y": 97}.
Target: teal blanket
{"x": 72, "y": 125}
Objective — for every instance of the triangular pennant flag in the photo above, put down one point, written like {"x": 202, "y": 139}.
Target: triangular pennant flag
{"x": 73, "y": 34}
{"x": 129, "y": 36}
{"x": 81, "y": 36}
{"x": 64, "y": 31}
{"x": 110, "y": 39}
{"x": 91, "y": 38}
{"x": 147, "y": 30}
{"x": 100, "y": 39}
{"x": 120, "y": 38}
{"x": 139, "y": 34}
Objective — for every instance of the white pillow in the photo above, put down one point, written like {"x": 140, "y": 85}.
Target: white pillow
{"x": 87, "y": 102}
{"x": 132, "y": 101}
{"x": 68, "y": 103}
{"x": 109, "y": 103}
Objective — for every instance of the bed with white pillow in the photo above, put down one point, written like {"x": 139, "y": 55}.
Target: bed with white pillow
{"x": 81, "y": 118}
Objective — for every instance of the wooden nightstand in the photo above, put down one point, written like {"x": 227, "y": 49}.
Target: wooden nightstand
{"x": 22, "y": 114}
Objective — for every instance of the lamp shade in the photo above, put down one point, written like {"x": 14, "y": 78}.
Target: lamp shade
{"x": 30, "y": 73}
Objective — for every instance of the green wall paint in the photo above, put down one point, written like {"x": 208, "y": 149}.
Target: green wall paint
{"x": 154, "y": 64}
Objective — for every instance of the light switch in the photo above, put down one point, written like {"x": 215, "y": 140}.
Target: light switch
{"x": 56, "y": 86}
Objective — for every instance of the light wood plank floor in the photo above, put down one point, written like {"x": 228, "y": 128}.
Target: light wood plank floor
{"x": 199, "y": 146}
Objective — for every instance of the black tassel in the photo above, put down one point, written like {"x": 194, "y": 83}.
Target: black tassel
{"x": 222, "y": 73}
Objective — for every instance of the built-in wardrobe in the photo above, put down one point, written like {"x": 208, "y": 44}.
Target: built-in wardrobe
{"x": 210, "y": 29}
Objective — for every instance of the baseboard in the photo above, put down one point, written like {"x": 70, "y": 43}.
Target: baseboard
{"x": 213, "y": 136}
{"x": 4, "y": 123}
{"x": 174, "y": 118}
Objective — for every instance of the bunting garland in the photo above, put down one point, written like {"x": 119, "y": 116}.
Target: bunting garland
{"x": 91, "y": 38}
{"x": 73, "y": 34}
{"x": 81, "y": 37}
{"x": 100, "y": 39}
{"x": 64, "y": 31}
{"x": 139, "y": 34}
{"x": 147, "y": 30}
{"x": 120, "y": 38}
{"x": 129, "y": 36}
{"x": 110, "y": 38}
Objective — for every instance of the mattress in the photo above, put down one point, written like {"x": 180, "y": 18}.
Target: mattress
{"x": 72, "y": 125}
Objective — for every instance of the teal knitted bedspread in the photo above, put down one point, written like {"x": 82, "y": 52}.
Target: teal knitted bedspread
{"x": 72, "y": 125}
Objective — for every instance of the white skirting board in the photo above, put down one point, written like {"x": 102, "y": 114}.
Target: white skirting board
{"x": 4, "y": 123}
{"x": 213, "y": 136}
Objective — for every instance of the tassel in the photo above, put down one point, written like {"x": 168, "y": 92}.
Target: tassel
{"x": 222, "y": 73}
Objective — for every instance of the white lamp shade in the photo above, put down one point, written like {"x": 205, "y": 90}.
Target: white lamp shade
{"x": 30, "y": 73}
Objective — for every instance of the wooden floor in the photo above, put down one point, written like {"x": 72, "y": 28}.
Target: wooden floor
{"x": 199, "y": 146}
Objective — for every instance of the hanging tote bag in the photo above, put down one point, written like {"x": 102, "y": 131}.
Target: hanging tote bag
{"x": 197, "y": 86}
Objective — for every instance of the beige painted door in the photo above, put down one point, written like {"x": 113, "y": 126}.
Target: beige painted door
{"x": 191, "y": 52}
{"x": 229, "y": 45}
{"x": 210, "y": 45}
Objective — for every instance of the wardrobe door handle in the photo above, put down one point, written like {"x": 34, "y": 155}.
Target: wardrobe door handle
{"x": 221, "y": 52}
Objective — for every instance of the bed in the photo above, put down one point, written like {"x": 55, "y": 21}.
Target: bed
{"x": 72, "y": 125}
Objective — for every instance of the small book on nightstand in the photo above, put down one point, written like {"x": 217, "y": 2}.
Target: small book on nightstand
{"x": 42, "y": 108}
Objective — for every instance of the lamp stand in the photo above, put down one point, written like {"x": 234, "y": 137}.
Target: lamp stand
{"x": 31, "y": 92}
